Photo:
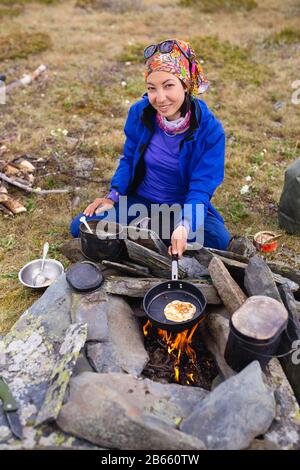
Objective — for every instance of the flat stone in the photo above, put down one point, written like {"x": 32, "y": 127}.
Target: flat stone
{"x": 241, "y": 246}
{"x": 62, "y": 371}
{"x": 118, "y": 411}
{"x": 169, "y": 402}
{"x": 229, "y": 291}
{"x": 53, "y": 308}
{"x": 215, "y": 337}
{"x": 102, "y": 358}
{"x": 29, "y": 354}
{"x": 124, "y": 349}
{"x": 91, "y": 309}
{"x": 291, "y": 363}
{"x": 285, "y": 429}
{"x": 259, "y": 279}
{"x": 234, "y": 413}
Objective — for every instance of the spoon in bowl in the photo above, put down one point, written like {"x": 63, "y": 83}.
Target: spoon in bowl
{"x": 40, "y": 278}
{"x": 83, "y": 220}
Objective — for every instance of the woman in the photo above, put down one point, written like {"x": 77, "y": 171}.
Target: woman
{"x": 174, "y": 151}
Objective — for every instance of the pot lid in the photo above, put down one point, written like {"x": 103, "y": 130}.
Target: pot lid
{"x": 84, "y": 276}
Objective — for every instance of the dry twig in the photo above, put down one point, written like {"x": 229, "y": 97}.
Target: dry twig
{"x": 32, "y": 190}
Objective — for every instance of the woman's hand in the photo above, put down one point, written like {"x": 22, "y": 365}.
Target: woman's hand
{"x": 98, "y": 206}
{"x": 178, "y": 241}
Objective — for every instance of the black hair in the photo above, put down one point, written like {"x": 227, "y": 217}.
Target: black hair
{"x": 186, "y": 105}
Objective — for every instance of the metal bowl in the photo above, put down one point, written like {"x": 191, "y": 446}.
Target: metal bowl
{"x": 52, "y": 270}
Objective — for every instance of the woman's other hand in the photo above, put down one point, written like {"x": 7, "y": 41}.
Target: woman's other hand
{"x": 178, "y": 241}
{"x": 98, "y": 206}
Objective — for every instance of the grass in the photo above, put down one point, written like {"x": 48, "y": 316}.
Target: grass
{"x": 90, "y": 53}
{"x": 24, "y": 2}
{"x": 212, "y": 6}
{"x": 235, "y": 62}
{"x": 21, "y": 44}
{"x": 115, "y": 5}
{"x": 133, "y": 53}
{"x": 10, "y": 11}
{"x": 287, "y": 35}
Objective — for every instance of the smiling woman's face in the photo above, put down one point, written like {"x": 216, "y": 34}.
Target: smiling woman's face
{"x": 166, "y": 94}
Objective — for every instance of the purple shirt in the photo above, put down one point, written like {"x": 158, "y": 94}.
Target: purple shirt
{"x": 162, "y": 182}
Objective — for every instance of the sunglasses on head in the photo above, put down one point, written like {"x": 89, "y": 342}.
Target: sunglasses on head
{"x": 164, "y": 47}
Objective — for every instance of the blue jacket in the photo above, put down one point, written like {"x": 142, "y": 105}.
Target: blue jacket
{"x": 201, "y": 155}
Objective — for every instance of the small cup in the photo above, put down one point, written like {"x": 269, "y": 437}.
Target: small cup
{"x": 262, "y": 243}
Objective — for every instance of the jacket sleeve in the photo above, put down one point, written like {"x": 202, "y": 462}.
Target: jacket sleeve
{"x": 121, "y": 180}
{"x": 206, "y": 175}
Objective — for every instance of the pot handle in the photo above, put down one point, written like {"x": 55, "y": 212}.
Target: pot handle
{"x": 175, "y": 267}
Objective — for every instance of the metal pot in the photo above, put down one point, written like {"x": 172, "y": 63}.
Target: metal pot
{"x": 105, "y": 243}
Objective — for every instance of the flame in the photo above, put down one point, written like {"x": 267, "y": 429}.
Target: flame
{"x": 180, "y": 344}
{"x": 190, "y": 378}
{"x": 146, "y": 327}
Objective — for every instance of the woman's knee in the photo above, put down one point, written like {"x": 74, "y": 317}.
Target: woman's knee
{"x": 217, "y": 237}
{"x": 75, "y": 225}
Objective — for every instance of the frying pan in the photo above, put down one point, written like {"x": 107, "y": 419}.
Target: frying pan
{"x": 159, "y": 296}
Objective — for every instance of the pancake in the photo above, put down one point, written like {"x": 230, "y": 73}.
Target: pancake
{"x": 179, "y": 311}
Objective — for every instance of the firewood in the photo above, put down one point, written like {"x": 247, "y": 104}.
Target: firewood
{"x": 133, "y": 287}
{"x": 147, "y": 238}
{"x": 229, "y": 291}
{"x": 5, "y": 210}
{"x": 3, "y": 190}
{"x": 140, "y": 271}
{"x": 3, "y": 149}
{"x": 159, "y": 265}
{"x": 25, "y": 166}
{"x": 3, "y": 197}
{"x": 11, "y": 170}
{"x": 14, "y": 206}
{"x": 237, "y": 268}
{"x": 26, "y": 79}
{"x": 277, "y": 268}
{"x": 3, "y": 194}
{"x": 32, "y": 190}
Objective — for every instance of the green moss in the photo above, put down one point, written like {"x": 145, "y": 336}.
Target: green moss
{"x": 103, "y": 101}
{"x": 118, "y": 6}
{"x": 133, "y": 53}
{"x": 234, "y": 62}
{"x": 236, "y": 210}
{"x": 111, "y": 150}
{"x": 135, "y": 87}
{"x": 24, "y": 2}
{"x": 10, "y": 11}
{"x": 21, "y": 44}
{"x": 210, "y": 6}
{"x": 285, "y": 36}
{"x": 7, "y": 242}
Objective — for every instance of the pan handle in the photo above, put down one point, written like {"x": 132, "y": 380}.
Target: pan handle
{"x": 175, "y": 267}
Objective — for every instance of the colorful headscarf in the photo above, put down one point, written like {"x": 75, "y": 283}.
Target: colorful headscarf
{"x": 176, "y": 63}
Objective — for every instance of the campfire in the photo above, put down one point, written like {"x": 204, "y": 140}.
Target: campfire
{"x": 178, "y": 356}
